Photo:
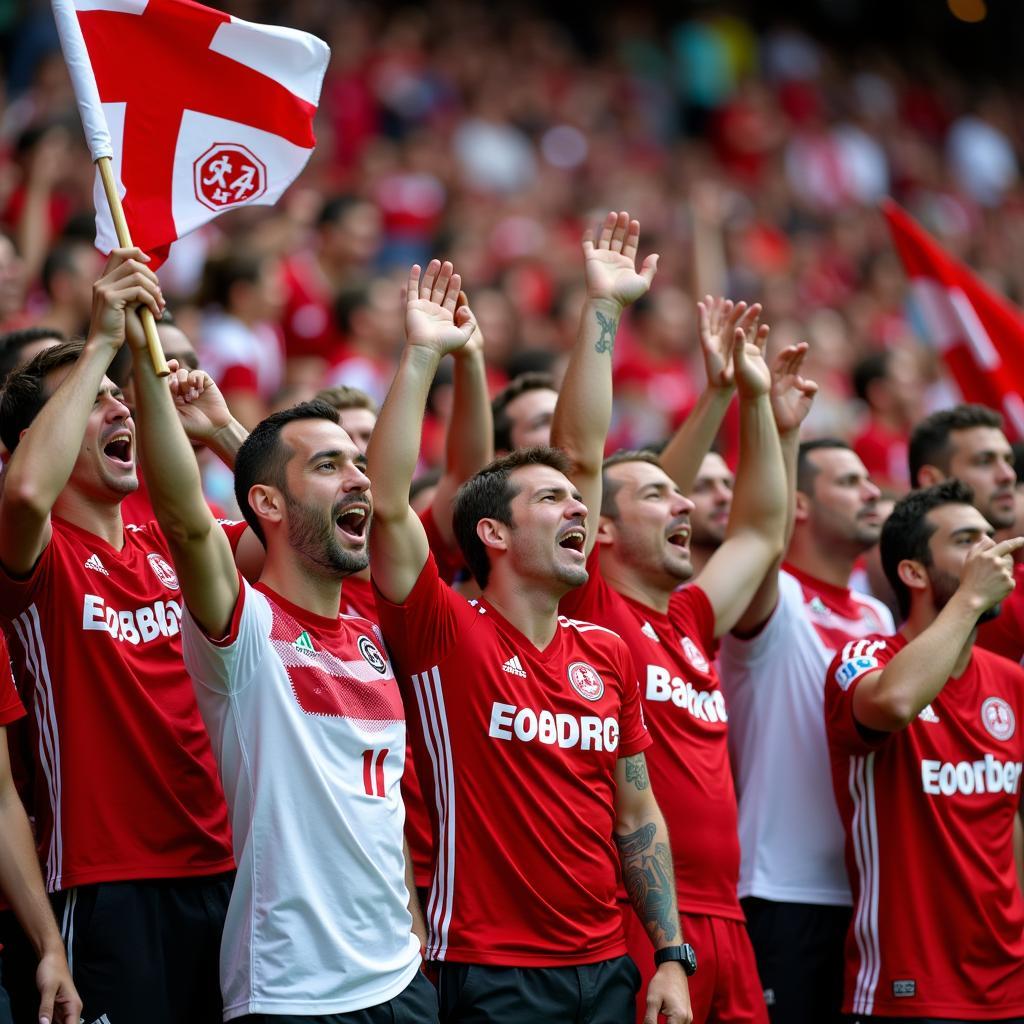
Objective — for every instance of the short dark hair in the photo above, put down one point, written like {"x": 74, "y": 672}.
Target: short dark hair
{"x": 61, "y": 260}
{"x": 907, "y": 531}
{"x": 530, "y": 381}
{"x": 929, "y": 440}
{"x": 263, "y": 455}
{"x": 335, "y": 209}
{"x": 12, "y": 344}
{"x": 24, "y": 390}
{"x": 874, "y": 366}
{"x": 609, "y": 486}
{"x": 806, "y": 471}
{"x": 344, "y": 397}
{"x": 223, "y": 271}
{"x": 489, "y": 495}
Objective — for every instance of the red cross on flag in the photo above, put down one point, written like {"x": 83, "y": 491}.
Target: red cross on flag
{"x": 198, "y": 111}
{"x": 979, "y": 333}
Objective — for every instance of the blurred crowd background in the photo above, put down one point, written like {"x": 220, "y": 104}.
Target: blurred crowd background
{"x": 753, "y": 141}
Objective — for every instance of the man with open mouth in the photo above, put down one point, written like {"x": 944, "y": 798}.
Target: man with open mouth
{"x": 304, "y": 715}
{"x": 130, "y": 817}
{"x": 528, "y": 728}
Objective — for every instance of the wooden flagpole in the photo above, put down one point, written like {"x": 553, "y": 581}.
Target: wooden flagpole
{"x": 124, "y": 239}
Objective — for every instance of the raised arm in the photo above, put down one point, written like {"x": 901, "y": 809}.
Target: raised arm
{"x": 41, "y": 464}
{"x": 641, "y": 836}
{"x": 470, "y": 441}
{"x": 717, "y": 321}
{"x": 758, "y": 516}
{"x": 200, "y": 549}
{"x": 892, "y": 698}
{"x": 792, "y": 396}
{"x": 584, "y": 409}
{"x": 22, "y": 884}
{"x": 433, "y": 328}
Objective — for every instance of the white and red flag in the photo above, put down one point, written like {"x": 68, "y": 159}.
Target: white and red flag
{"x": 979, "y": 333}
{"x": 198, "y": 111}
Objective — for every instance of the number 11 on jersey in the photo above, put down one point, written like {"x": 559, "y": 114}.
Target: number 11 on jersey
{"x": 373, "y": 772}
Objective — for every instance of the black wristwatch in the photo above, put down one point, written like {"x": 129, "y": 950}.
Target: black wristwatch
{"x": 683, "y": 955}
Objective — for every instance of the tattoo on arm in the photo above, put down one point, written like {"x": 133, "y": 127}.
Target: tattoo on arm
{"x": 650, "y": 882}
{"x": 607, "y": 340}
{"x": 636, "y": 771}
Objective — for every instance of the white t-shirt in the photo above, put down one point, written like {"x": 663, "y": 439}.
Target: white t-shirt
{"x": 307, "y": 726}
{"x": 791, "y": 837}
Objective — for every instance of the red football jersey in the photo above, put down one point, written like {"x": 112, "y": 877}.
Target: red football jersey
{"x": 1005, "y": 633}
{"x": 125, "y": 785}
{"x": 518, "y": 748}
{"x": 11, "y": 708}
{"x": 685, "y": 712}
{"x": 938, "y": 916}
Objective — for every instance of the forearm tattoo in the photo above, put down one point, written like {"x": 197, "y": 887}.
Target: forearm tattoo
{"x": 636, "y": 771}
{"x": 650, "y": 882}
{"x": 607, "y": 340}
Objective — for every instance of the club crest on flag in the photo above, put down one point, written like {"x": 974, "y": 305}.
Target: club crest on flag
{"x": 229, "y": 175}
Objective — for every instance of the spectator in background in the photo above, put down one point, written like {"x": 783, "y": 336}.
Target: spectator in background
{"x": 522, "y": 412}
{"x": 889, "y": 385}
{"x": 967, "y": 443}
{"x": 793, "y": 884}
{"x": 240, "y": 344}
{"x": 369, "y": 315}
{"x": 344, "y": 246}
{"x": 655, "y": 385}
{"x": 69, "y": 271}
{"x": 357, "y": 411}
{"x": 12, "y": 286}
{"x": 711, "y": 495}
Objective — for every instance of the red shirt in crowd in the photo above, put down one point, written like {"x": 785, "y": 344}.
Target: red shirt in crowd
{"x": 519, "y": 747}
{"x": 938, "y": 916}
{"x": 125, "y": 785}
{"x": 685, "y": 712}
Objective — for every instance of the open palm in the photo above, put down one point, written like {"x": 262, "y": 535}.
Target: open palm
{"x": 430, "y": 303}
{"x": 610, "y": 261}
{"x": 792, "y": 395}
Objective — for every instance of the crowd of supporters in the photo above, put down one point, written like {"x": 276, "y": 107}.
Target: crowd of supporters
{"x": 628, "y": 563}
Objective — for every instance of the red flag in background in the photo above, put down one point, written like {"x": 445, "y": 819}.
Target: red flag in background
{"x": 979, "y": 333}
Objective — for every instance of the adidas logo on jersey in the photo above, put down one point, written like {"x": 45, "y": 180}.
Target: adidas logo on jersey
{"x": 514, "y": 667}
{"x": 648, "y": 631}
{"x": 93, "y": 562}
{"x": 303, "y": 643}
{"x": 927, "y": 714}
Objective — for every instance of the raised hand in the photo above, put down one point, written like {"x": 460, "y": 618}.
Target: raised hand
{"x": 431, "y": 298}
{"x": 987, "y": 575}
{"x": 464, "y": 316}
{"x": 717, "y": 321}
{"x": 610, "y": 262}
{"x": 198, "y": 402}
{"x": 791, "y": 395}
{"x": 753, "y": 378}
{"x": 126, "y": 283}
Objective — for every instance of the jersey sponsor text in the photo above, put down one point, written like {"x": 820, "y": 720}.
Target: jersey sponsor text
{"x": 968, "y": 777}
{"x": 132, "y": 625}
{"x": 707, "y": 705}
{"x": 588, "y": 732}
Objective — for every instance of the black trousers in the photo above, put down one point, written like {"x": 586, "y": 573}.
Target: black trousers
{"x": 146, "y": 950}
{"x": 415, "y": 1004}
{"x": 600, "y": 993}
{"x": 799, "y": 950}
